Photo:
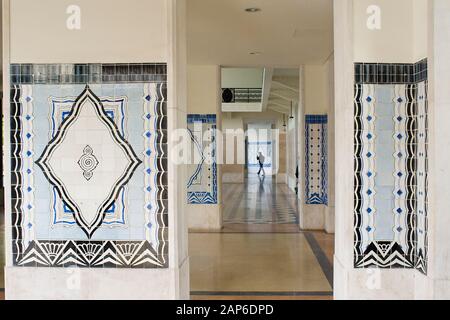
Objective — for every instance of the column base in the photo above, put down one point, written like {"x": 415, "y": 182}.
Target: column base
{"x": 312, "y": 217}
{"x": 204, "y": 217}
{"x": 373, "y": 283}
{"x": 329, "y": 219}
{"x": 24, "y": 283}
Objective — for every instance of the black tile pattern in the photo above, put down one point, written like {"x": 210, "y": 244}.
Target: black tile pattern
{"x": 389, "y": 254}
{"x": 85, "y": 253}
{"x": 87, "y": 73}
{"x": 381, "y": 254}
{"x": 241, "y": 95}
{"x": 391, "y": 73}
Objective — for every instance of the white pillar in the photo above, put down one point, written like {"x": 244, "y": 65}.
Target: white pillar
{"x": 343, "y": 54}
{"x": 158, "y": 39}
{"x": 204, "y": 97}
{"x": 349, "y": 282}
{"x": 439, "y": 146}
{"x": 329, "y": 213}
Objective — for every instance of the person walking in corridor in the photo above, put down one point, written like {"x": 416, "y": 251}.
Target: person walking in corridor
{"x": 260, "y": 157}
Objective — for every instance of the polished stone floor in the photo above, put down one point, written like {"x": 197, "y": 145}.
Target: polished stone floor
{"x": 257, "y": 264}
{"x": 260, "y": 253}
{"x": 259, "y": 201}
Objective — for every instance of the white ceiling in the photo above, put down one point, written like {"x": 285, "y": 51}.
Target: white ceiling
{"x": 288, "y": 33}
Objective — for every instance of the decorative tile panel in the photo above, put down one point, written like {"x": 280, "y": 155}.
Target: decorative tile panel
{"x": 89, "y": 165}
{"x": 202, "y": 175}
{"x": 316, "y": 165}
{"x": 390, "y": 169}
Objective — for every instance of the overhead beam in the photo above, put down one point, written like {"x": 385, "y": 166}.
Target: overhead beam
{"x": 283, "y": 85}
{"x": 285, "y": 95}
{"x": 279, "y": 103}
{"x": 267, "y": 87}
{"x": 278, "y": 109}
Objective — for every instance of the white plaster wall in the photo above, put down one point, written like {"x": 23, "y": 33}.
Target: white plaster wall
{"x": 111, "y": 31}
{"x": 420, "y": 24}
{"x": 403, "y": 34}
{"x": 238, "y": 148}
{"x": 203, "y": 89}
{"x": 242, "y": 77}
{"x": 394, "y": 42}
{"x": 268, "y": 115}
{"x": 316, "y": 89}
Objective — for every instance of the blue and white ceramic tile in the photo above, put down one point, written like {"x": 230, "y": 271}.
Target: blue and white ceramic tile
{"x": 390, "y": 173}
{"x": 202, "y": 175}
{"x": 92, "y": 187}
{"x": 316, "y": 165}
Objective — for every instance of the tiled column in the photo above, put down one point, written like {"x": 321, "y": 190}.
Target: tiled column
{"x": 204, "y": 104}
{"x": 98, "y": 210}
{"x": 351, "y": 282}
{"x": 315, "y": 172}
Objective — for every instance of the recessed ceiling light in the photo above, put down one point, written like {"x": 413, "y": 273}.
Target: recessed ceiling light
{"x": 252, "y": 10}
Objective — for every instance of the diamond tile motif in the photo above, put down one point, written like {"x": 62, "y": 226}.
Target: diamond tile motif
{"x": 88, "y": 197}
{"x": 390, "y": 164}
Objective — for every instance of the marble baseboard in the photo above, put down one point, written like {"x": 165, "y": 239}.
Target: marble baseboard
{"x": 312, "y": 217}
{"x": 373, "y": 284}
{"x": 23, "y": 283}
{"x": 204, "y": 217}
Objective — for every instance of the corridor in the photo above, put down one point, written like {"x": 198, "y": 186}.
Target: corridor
{"x": 260, "y": 253}
{"x": 260, "y": 200}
